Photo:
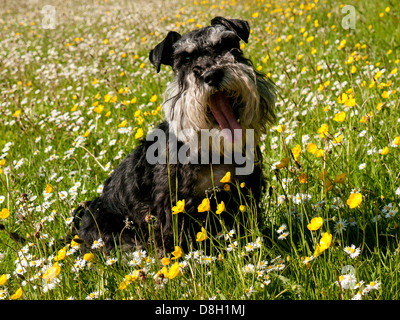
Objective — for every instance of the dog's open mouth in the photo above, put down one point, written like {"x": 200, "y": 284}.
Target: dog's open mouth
{"x": 221, "y": 108}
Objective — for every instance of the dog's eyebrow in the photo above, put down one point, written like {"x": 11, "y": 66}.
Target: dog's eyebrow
{"x": 186, "y": 45}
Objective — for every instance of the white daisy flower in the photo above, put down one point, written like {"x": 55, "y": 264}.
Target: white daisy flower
{"x": 352, "y": 251}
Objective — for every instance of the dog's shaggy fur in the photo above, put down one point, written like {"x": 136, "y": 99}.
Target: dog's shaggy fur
{"x": 210, "y": 73}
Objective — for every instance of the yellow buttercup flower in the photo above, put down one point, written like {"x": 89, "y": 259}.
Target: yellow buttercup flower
{"x": 88, "y": 257}
{"x": 17, "y": 294}
{"x": 123, "y": 285}
{"x": 202, "y": 235}
{"x": 52, "y": 272}
{"x": 342, "y": 98}
{"x": 351, "y": 102}
{"x": 323, "y": 130}
{"x": 49, "y": 188}
{"x": 324, "y": 244}
{"x": 281, "y": 128}
{"x": 384, "y": 151}
{"x": 179, "y": 207}
{"x": 177, "y": 253}
{"x": 339, "y": 117}
{"x": 61, "y": 254}
{"x": 312, "y": 148}
{"x": 220, "y": 207}
{"x": 354, "y": 200}
{"x": 338, "y": 139}
{"x": 74, "y": 243}
{"x": 315, "y": 223}
{"x": 4, "y": 213}
{"x": 296, "y": 151}
{"x": 165, "y": 261}
{"x": 3, "y": 279}
{"x": 349, "y": 60}
{"x": 364, "y": 119}
{"x": 128, "y": 279}
{"x": 310, "y": 39}
{"x": 139, "y": 133}
{"x": 204, "y": 205}
{"x": 319, "y": 153}
{"x": 123, "y": 124}
{"x": 107, "y": 98}
{"x": 99, "y": 108}
{"x": 226, "y": 178}
{"x": 174, "y": 271}
{"x": 132, "y": 277}
{"x": 313, "y": 51}
{"x": 17, "y": 113}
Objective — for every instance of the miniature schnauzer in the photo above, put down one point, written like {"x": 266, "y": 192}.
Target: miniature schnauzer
{"x": 215, "y": 89}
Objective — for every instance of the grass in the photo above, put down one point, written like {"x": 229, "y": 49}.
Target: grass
{"x": 76, "y": 99}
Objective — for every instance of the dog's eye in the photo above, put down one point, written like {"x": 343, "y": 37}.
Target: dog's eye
{"x": 186, "y": 58}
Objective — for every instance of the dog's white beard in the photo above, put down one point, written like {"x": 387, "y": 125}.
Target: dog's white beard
{"x": 189, "y": 113}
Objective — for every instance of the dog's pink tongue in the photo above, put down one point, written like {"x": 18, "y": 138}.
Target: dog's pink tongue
{"x": 223, "y": 113}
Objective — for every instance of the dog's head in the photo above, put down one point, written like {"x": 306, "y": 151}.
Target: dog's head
{"x": 215, "y": 86}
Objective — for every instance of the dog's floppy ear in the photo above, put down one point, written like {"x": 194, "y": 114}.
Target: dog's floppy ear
{"x": 240, "y": 27}
{"x": 162, "y": 53}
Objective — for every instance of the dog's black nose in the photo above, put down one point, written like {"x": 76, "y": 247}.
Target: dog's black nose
{"x": 213, "y": 77}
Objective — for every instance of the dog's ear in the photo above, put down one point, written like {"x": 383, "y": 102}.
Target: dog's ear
{"x": 162, "y": 53}
{"x": 240, "y": 27}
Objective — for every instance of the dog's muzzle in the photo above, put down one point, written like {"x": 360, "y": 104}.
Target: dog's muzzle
{"x": 210, "y": 75}
{"x": 213, "y": 77}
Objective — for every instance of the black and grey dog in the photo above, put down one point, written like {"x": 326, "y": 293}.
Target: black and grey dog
{"x": 215, "y": 89}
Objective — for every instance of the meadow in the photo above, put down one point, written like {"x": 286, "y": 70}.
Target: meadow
{"x": 77, "y": 93}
